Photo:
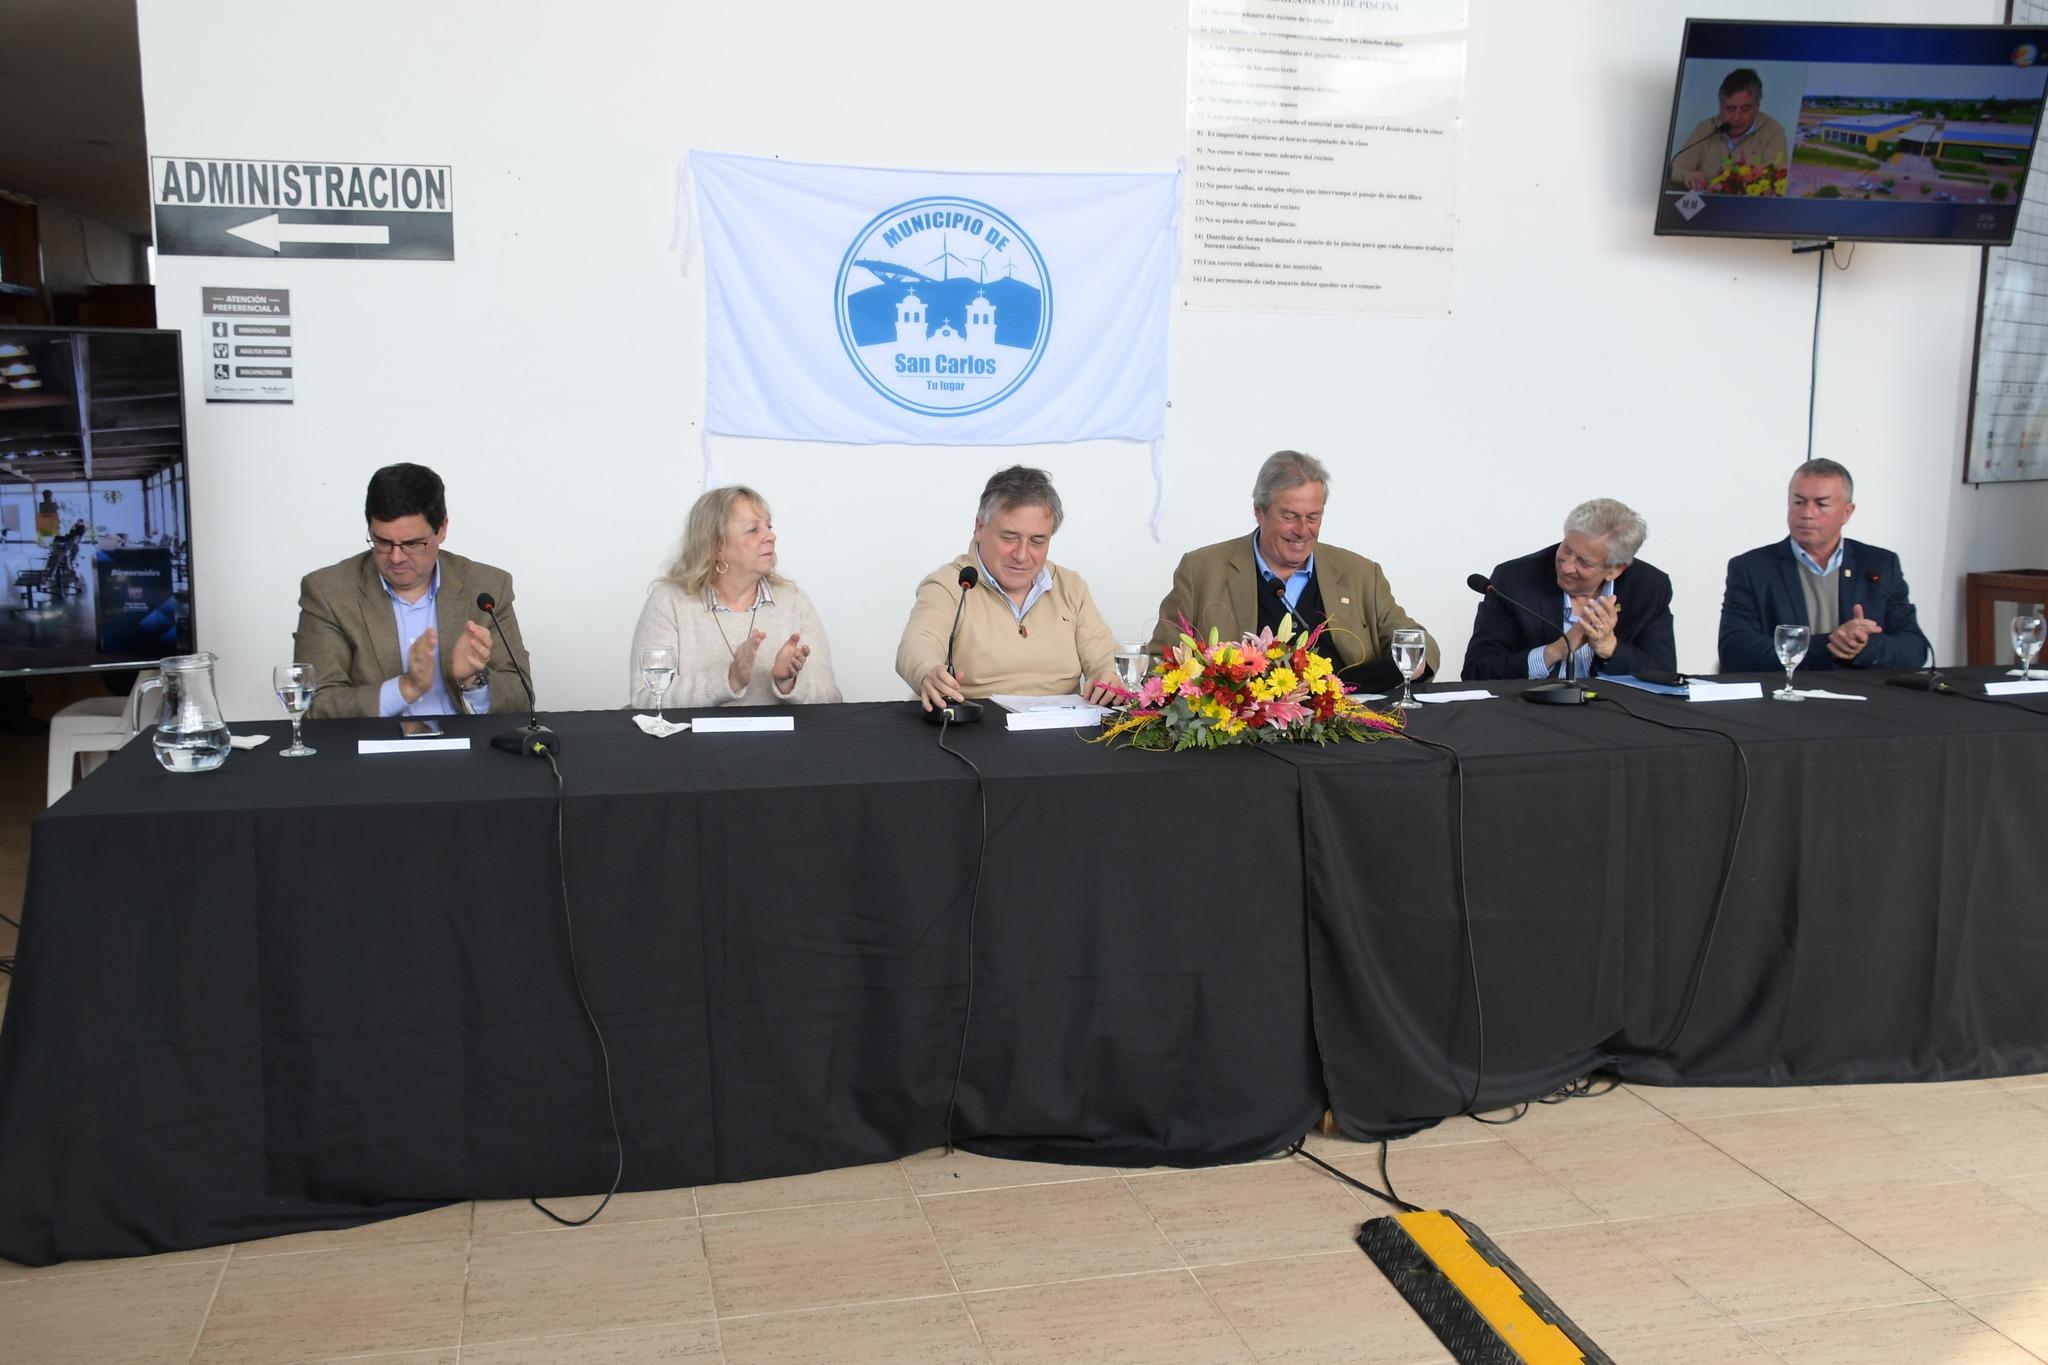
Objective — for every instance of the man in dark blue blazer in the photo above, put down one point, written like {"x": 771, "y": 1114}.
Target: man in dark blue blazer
{"x": 1851, "y": 595}
{"x": 1613, "y": 611}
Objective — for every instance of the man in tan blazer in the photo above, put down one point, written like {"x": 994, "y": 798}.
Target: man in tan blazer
{"x": 1283, "y": 568}
{"x": 395, "y": 630}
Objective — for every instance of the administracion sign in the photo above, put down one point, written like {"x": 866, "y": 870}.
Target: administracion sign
{"x": 336, "y": 209}
{"x": 942, "y": 326}
{"x": 248, "y": 347}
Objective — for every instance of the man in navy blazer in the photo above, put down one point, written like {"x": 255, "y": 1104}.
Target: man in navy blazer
{"x": 1613, "y": 611}
{"x": 1852, "y": 595}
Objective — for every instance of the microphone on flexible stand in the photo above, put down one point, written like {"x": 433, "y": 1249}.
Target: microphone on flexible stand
{"x": 1720, "y": 129}
{"x": 1566, "y": 693}
{"x": 957, "y": 712}
{"x": 535, "y": 738}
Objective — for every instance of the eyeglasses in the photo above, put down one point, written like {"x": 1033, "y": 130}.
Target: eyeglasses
{"x": 413, "y": 548}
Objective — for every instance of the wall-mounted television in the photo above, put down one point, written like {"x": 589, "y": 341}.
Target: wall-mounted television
{"x": 95, "y": 523}
{"x": 1862, "y": 132}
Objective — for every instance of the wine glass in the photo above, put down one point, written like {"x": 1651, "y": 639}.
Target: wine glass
{"x": 1409, "y": 643}
{"x": 1790, "y": 642}
{"x": 295, "y": 686}
{"x": 1132, "y": 664}
{"x": 658, "y": 671}
{"x": 2026, "y": 642}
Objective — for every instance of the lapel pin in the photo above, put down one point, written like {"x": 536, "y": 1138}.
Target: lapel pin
{"x": 1345, "y": 601}
{"x": 1845, "y": 573}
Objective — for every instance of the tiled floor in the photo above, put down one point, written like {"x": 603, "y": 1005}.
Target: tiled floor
{"x": 1805, "y": 1226}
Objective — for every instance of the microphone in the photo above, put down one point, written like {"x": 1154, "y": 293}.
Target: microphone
{"x": 957, "y": 712}
{"x": 1720, "y": 129}
{"x": 1566, "y": 693}
{"x": 535, "y": 739}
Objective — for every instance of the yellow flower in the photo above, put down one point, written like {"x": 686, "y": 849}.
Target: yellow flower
{"x": 1276, "y": 653}
{"x": 1316, "y": 667}
{"x": 1170, "y": 682}
{"x": 1231, "y": 726}
{"x": 1282, "y": 681}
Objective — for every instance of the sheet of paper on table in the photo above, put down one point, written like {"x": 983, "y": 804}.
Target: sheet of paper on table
{"x": 2008, "y": 689}
{"x": 1822, "y": 694}
{"x": 1701, "y": 689}
{"x": 734, "y": 725}
{"x": 1470, "y": 694}
{"x": 410, "y": 746}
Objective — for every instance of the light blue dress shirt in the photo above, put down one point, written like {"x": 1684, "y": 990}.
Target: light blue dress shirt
{"x": 1827, "y": 570}
{"x": 1582, "y": 657}
{"x": 414, "y": 620}
{"x": 1040, "y": 586}
{"x": 1297, "y": 581}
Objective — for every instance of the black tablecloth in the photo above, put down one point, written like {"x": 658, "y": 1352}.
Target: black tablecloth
{"x": 301, "y": 993}
{"x": 292, "y": 993}
{"x": 1883, "y": 920}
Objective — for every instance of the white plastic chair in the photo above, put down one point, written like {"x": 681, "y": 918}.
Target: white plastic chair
{"x": 85, "y": 732}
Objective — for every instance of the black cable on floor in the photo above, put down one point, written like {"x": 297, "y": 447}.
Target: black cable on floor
{"x": 1699, "y": 966}
{"x": 1387, "y": 1195}
{"x": 973, "y": 903}
{"x": 576, "y": 974}
{"x": 1464, "y": 915}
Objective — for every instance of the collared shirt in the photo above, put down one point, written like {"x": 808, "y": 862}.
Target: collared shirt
{"x": 764, "y": 596}
{"x": 414, "y": 620}
{"x": 1827, "y": 570}
{"x": 1297, "y": 582}
{"x": 1582, "y": 657}
{"x": 1040, "y": 586}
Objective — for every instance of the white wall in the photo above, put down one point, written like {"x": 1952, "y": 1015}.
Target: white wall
{"x": 554, "y": 372}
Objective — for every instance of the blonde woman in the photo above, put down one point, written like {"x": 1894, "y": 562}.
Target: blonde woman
{"x": 743, "y": 634}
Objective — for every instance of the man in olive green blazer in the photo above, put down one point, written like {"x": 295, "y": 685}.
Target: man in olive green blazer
{"x": 396, "y": 631}
{"x": 1228, "y": 585}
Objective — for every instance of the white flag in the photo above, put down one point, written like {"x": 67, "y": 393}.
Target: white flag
{"x": 934, "y": 307}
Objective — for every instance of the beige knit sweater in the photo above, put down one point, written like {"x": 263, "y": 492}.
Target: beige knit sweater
{"x": 704, "y": 653}
{"x": 1061, "y": 641}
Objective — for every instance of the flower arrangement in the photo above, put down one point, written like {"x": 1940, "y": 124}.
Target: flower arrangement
{"x": 1258, "y": 689}
{"x": 1739, "y": 177}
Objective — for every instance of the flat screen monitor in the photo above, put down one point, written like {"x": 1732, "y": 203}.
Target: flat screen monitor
{"x": 1861, "y": 132}
{"x": 95, "y": 526}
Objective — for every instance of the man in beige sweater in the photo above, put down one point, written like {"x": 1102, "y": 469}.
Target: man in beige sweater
{"x": 1027, "y": 627}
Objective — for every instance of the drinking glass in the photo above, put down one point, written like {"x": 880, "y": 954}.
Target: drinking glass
{"x": 1409, "y": 643}
{"x": 295, "y": 686}
{"x": 658, "y": 671}
{"x": 1790, "y": 642}
{"x": 1132, "y": 664}
{"x": 2026, "y": 642}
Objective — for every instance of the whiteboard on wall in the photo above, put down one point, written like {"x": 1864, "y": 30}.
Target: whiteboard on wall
{"x": 2008, "y": 432}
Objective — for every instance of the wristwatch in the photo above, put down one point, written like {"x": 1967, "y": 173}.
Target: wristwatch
{"x": 476, "y": 680}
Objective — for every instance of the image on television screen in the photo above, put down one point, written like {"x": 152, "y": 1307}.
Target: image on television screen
{"x": 95, "y": 545}
{"x": 1855, "y": 131}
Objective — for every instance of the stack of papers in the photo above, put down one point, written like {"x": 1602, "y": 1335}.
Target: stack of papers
{"x": 1050, "y": 713}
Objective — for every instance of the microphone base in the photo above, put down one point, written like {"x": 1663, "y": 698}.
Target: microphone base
{"x": 953, "y": 713}
{"x": 535, "y": 739}
{"x": 1557, "y": 694}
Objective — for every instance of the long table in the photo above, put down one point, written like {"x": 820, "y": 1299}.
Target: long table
{"x": 305, "y": 993}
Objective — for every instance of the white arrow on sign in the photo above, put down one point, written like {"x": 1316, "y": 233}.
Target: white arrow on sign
{"x": 267, "y": 232}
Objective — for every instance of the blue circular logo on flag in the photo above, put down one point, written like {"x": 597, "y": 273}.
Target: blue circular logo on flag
{"x": 944, "y": 305}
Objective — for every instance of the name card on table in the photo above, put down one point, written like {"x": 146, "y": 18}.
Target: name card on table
{"x": 1702, "y": 690}
{"x": 410, "y": 746}
{"x": 735, "y": 725}
{"x": 1070, "y": 711}
{"x": 1469, "y": 694}
{"x": 2008, "y": 689}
